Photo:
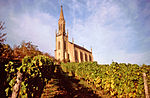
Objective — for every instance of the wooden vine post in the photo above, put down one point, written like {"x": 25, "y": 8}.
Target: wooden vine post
{"x": 17, "y": 86}
{"x": 145, "y": 86}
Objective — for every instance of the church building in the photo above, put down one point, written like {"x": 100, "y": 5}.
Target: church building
{"x": 66, "y": 50}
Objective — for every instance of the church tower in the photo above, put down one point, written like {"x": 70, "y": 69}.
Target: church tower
{"x": 61, "y": 39}
{"x": 69, "y": 51}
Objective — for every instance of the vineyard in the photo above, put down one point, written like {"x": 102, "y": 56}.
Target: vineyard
{"x": 36, "y": 71}
{"x": 27, "y": 72}
{"x": 115, "y": 80}
{"x": 116, "y": 29}
{"x": 40, "y": 76}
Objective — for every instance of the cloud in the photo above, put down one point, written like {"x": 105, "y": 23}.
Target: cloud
{"x": 116, "y": 30}
{"x": 30, "y": 21}
{"x": 109, "y": 29}
{"x": 37, "y": 27}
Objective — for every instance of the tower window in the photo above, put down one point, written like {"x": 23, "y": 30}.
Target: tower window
{"x": 59, "y": 45}
{"x": 63, "y": 28}
{"x": 59, "y": 27}
{"x": 65, "y": 45}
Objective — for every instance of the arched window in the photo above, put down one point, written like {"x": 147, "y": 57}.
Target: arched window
{"x": 90, "y": 59}
{"x": 65, "y": 45}
{"x": 85, "y": 57}
{"x": 81, "y": 56}
{"x": 63, "y": 27}
{"x": 76, "y": 56}
{"x": 68, "y": 56}
{"x": 59, "y": 26}
{"x": 58, "y": 44}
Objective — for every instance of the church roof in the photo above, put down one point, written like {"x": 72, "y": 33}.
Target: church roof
{"x": 80, "y": 47}
{"x": 61, "y": 14}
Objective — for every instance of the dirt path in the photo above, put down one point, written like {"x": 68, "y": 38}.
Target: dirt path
{"x": 63, "y": 86}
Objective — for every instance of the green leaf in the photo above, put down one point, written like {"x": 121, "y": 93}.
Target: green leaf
{"x": 12, "y": 70}
{"x": 12, "y": 82}
{"x": 6, "y": 69}
{"x": 7, "y": 90}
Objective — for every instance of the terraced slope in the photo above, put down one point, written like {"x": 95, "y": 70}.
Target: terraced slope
{"x": 65, "y": 86}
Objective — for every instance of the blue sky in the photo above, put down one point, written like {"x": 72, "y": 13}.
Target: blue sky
{"x": 117, "y": 30}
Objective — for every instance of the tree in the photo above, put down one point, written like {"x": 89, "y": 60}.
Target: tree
{"x": 48, "y": 55}
{"x": 5, "y": 49}
{"x": 25, "y": 49}
{"x": 2, "y": 34}
{"x": 5, "y": 56}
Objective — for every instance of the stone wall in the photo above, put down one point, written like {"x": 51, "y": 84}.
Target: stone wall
{"x": 71, "y": 52}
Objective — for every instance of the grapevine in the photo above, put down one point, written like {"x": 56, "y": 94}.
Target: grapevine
{"x": 115, "y": 79}
{"x": 36, "y": 72}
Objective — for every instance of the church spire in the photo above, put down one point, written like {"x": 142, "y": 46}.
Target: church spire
{"x": 61, "y": 22}
{"x": 61, "y": 14}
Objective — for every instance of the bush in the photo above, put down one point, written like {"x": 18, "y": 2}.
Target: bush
{"x": 36, "y": 72}
{"x": 115, "y": 79}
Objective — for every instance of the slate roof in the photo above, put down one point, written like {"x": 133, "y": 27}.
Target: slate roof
{"x": 80, "y": 47}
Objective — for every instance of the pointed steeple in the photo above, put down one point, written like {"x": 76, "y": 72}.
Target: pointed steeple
{"x": 61, "y": 14}
{"x": 61, "y": 22}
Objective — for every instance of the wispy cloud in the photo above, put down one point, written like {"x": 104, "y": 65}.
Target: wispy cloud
{"x": 35, "y": 28}
{"x": 29, "y": 23}
{"x": 111, "y": 32}
{"x": 116, "y": 30}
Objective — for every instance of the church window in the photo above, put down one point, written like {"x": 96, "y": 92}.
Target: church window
{"x": 81, "y": 56}
{"x": 59, "y": 45}
{"x": 90, "y": 59}
{"x": 85, "y": 57}
{"x": 65, "y": 45}
{"x": 76, "y": 56}
{"x": 68, "y": 57}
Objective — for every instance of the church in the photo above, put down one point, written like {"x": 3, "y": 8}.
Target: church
{"x": 67, "y": 51}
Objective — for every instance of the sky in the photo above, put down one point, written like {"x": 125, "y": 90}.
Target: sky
{"x": 117, "y": 30}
